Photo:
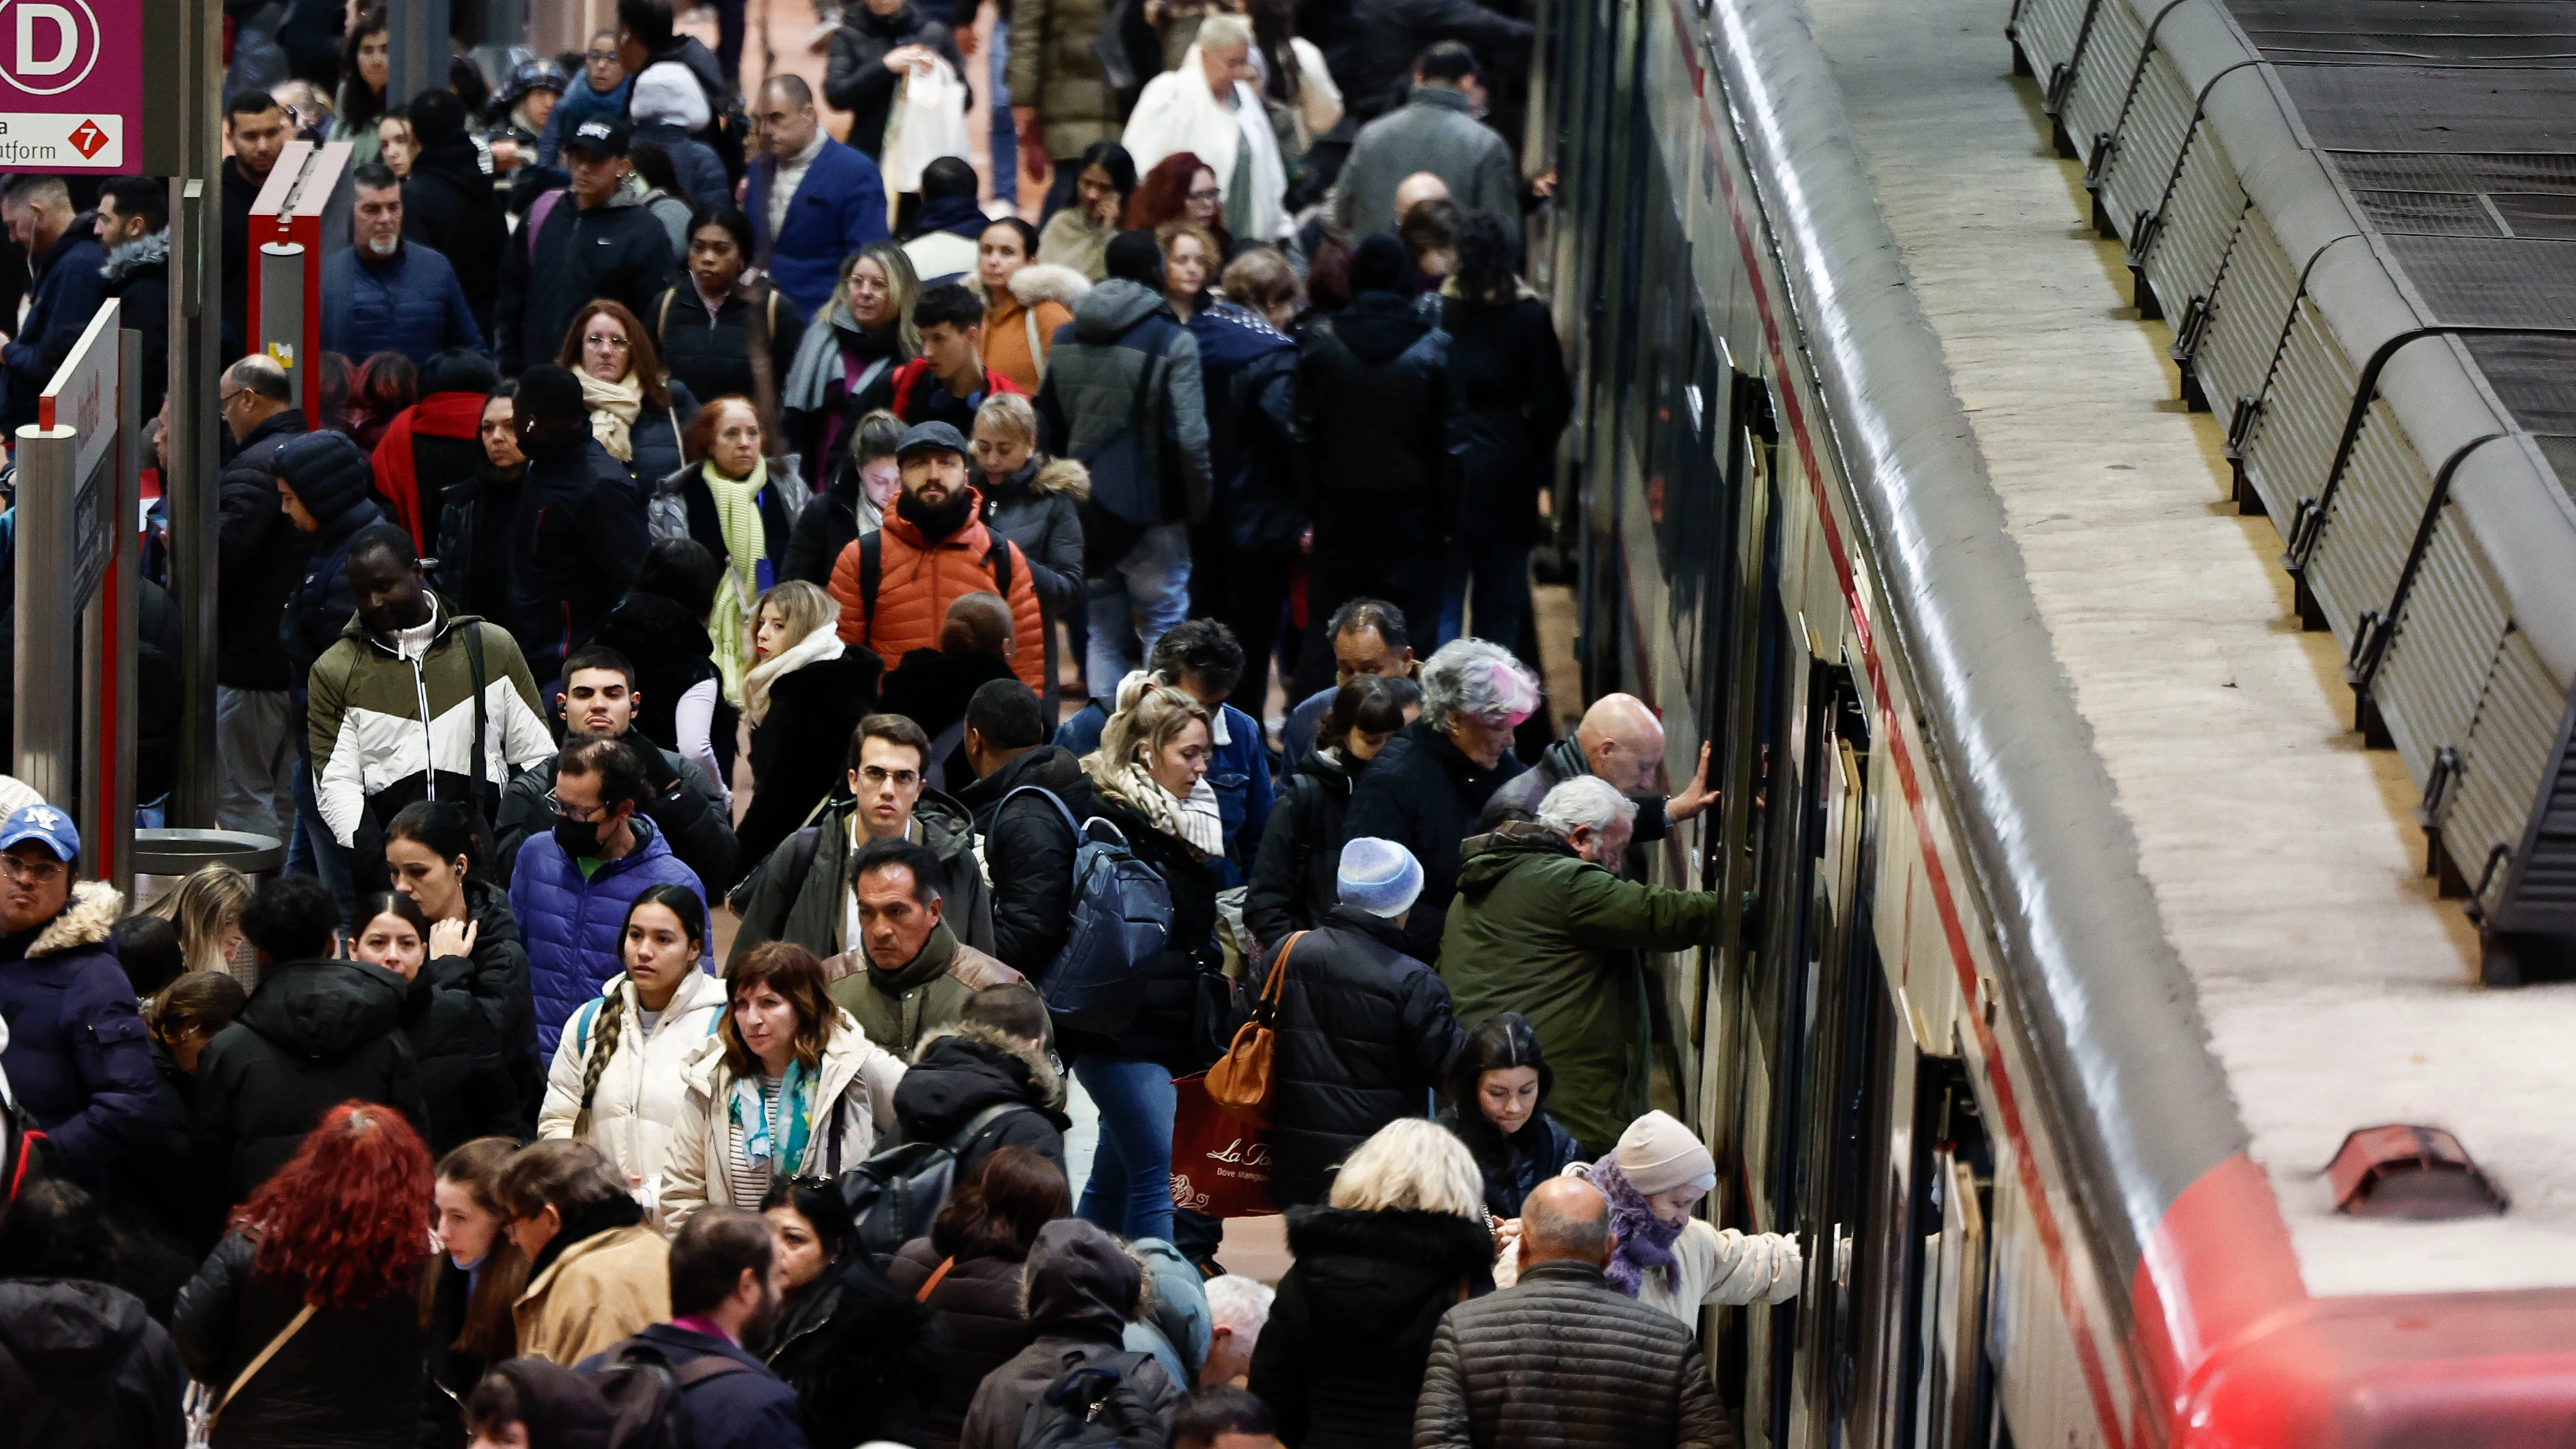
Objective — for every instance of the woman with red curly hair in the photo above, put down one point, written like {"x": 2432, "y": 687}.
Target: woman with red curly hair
{"x": 321, "y": 1272}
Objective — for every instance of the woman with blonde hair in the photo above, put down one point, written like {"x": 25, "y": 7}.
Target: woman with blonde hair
{"x": 1036, "y": 502}
{"x": 1402, "y": 1239}
{"x": 789, "y": 1088}
{"x": 855, "y": 343}
{"x": 207, "y": 909}
{"x": 804, "y": 693}
{"x": 638, "y": 413}
{"x": 1151, "y": 775}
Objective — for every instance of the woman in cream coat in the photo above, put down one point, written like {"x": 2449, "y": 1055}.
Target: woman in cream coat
{"x": 789, "y": 1086}
{"x": 617, "y": 1081}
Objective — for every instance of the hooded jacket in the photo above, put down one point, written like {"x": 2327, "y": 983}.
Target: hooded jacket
{"x": 853, "y": 1111}
{"x": 352, "y": 1377}
{"x": 577, "y": 542}
{"x": 436, "y": 441}
{"x": 1564, "y": 1359}
{"x": 449, "y": 206}
{"x": 573, "y": 922}
{"x": 617, "y": 250}
{"x": 1422, "y": 792}
{"x": 1380, "y": 416}
{"x": 671, "y": 653}
{"x": 960, "y": 1071}
{"x": 856, "y": 79}
{"x": 641, "y": 1088}
{"x": 1293, "y": 885}
{"x": 332, "y": 481}
{"x": 1364, "y": 1034}
{"x": 919, "y": 577}
{"x": 1539, "y": 930}
{"x": 410, "y": 302}
{"x": 1039, "y": 509}
{"x": 1249, "y": 369}
{"x": 978, "y": 1324}
{"x": 81, "y": 1363}
{"x": 813, "y": 910}
{"x": 1129, "y": 364}
{"x": 477, "y": 513}
{"x": 313, "y": 1035}
{"x": 496, "y": 976}
{"x": 260, "y": 559}
{"x": 1020, "y": 325}
{"x": 899, "y": 1007}
{"x": 137, "y": 274}
{"x": 67, "y": 293}
{"x": 1514, "y": 401}
{"x": 387, "y": 729}
{"x": 76, "y": 1054}
{"x": 1340, "y": 1362}
{"x": 1029, "y": 852}
{"x": 1080, "y": 1288}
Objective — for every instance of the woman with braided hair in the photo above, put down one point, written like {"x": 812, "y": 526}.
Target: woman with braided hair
{"x": 617, "y": 1081}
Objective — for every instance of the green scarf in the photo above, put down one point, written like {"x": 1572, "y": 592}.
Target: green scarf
{"x": 746, "y": 547}
{"x": 760, "y": 1142}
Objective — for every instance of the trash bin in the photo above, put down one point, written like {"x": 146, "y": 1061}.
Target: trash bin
{"x": 163, "y": 858}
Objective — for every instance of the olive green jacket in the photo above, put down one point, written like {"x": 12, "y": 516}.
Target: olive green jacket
{"x": 899, "y": 1008}
{"x": 1539, "y": 930}
{"x": 1053, "y": 69}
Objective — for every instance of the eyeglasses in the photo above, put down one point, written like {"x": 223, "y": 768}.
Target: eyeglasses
{"x": 1211, "y": 194}
{"x": 613, "y": 344}
{"x": 878, "y": 775}
{"x": 227, "y": 399}
{"x": 30, "y": 872}
{"x": 599, "y": 57}
{"x": 588, "y": 815}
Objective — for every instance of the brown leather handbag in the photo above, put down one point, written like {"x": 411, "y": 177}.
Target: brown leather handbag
{"x": 1241, "y": 1080}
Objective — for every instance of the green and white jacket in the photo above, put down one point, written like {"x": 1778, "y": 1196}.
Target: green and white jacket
{"x": 398, "y": 716}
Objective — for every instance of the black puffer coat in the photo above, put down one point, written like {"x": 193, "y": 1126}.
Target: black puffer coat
{"x": 496, "y": 975}
{"x": 463, "y": 1079}
{"x": 857, "y": 80}
{"x": 960, "y": 1073}
{"x": 1341, "y": 1360}
{"x": 1165, "y": 1030}
{"x": 1564, "y": 1349}
{"x": 449, "y": 206}
{"x": 976, "y": 1310}
{"x": 474, "y": 519}
{"x": 260, "y": 558}
{"x": 1292, "y": 886}
{"x": 81, "y": 1363}
{"x": 315, "y": 1034}
{"x": 1513, "y": 1166}
{"x": 349, "y": 1379}
{"x": 1364, "y": 1033}
{"x": 828, "y": 524}
{"x": 576, "y": 544}
{"x": 1028, "y": 851}
{"x": 714, "y": 359}
{"x": 1423, "y": 793}
{"x": 1380, "y": 414}
{"x": 800, "y": 753}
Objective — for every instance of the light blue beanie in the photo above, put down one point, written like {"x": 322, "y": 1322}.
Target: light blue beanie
{"x": 1378, "y": 876}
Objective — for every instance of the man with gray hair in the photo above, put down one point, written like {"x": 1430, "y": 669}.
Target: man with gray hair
{"x": 1425, "y": 790}
{"x": 259, "y": 560}
{"x": 1561, "y": 1357}
{"x": 1544, "y": 926}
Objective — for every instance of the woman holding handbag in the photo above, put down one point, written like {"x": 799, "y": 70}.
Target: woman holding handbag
{"x": 306, "y": 1317}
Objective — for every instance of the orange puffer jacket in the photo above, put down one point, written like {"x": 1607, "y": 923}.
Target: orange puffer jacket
{"x": 916, "y": 584}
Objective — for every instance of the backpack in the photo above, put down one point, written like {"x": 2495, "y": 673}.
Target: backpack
{"x": 1120, "y": 918}
{"x": 1094, "y": 1405}
{"x": 997, "y": 561}
{"x": 893, "y": 1195}
{"x": 647, "y": 1393}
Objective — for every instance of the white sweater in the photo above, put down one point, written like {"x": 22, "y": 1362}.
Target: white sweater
{"x": 643, "y": 1090}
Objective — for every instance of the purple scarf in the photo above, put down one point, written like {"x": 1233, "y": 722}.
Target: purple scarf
{"x": 1645, "y": 1240}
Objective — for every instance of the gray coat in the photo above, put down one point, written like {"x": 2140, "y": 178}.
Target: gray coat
{"x": 1566, "y": 1361}
{"x": 1043, "y": 515}
{"x": 1435, "y": 132}
{"x": 1124, "y": 338}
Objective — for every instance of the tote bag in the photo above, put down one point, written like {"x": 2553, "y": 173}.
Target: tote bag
{"x": 1220, "y": 1167}
{"x": 928, "y": 121}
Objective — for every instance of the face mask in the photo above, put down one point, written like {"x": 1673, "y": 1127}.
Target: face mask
{"x": 579, "y": 839}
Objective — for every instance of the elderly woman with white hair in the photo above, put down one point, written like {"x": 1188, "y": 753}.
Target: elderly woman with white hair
{"x": 1544, "y": 926}
{"x": 1210, "y": 106}
{"x": 1402, "y": 1239}
{"x": 1426, "y": 790}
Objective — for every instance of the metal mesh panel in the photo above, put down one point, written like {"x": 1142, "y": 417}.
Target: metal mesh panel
{"x": 2377, "y": 508}
{"x": 2535, "y": 379}
{"x": 2491, "y": 282}
{"x": 2445, "y": 646}
{"x": 2455, "y": 171}
{"x": 2561, "y": 453}
{"x": 2443, "y": 213}
{"x": 2542, "y": 895}
{"x": 2498, "y": 108}
{"x": 2102, "y": 79}
{"x": 2302, "y": 420}
{"x": 2245, "y": 317}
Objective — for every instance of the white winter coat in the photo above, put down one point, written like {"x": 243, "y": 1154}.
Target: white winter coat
{"x": 1177, "y": 112}
{"x": 858, "y": 1081}
{"x": 1722, "y": 1266}
{"x": 641, "y": 1092}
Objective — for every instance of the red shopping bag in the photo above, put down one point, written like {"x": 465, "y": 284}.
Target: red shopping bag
{"x": 1220, "y": 1165}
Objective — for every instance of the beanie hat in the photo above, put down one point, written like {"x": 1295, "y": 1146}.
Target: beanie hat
{"x": 668, "y": 92}
{"x": 1379, "y": 265}
{"x": 1378, "y": 876}
{"x": 1657, "y": 1154}
{"x": 329, "y": 474}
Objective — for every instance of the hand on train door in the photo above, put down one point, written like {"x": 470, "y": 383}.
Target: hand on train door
{"x": 1691, "y": 799}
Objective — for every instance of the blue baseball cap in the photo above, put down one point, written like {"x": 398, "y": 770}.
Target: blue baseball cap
{"x": 45, "y": 823}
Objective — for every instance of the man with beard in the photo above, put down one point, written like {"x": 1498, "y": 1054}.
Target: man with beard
{"x": 725, "y": 1284}
{"x": 895, "y": 585}
{"x": 384, "y": 294}
{"x": 598, "y": 701}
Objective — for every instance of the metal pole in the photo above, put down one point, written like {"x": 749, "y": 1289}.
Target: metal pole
{"x": 419, "y": 50}
{"x": 281, "y": 322}
{"x": 46, "y": 722}
{"x": 196, "y": 343}
{"x": 125, "y": 587}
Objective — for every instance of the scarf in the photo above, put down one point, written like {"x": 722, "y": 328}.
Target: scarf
{"x": 1645, "y": 1240}
{"x": 824, "y": 643}
{"x": 614, "y": 406}
{"x": 747, "y": 570}
{"x": 1194, "y": 822}
{"x": 760, "y": 1139}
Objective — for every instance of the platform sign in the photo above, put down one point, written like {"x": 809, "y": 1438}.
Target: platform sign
{"x": 71, "y": 85}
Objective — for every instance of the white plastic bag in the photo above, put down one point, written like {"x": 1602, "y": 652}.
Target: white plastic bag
{"x": 928, "y": 121}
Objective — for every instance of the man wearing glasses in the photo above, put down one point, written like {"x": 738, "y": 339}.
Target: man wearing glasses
{"x": 804, "y": 892}
{"x": 260, "y": 559}
{"x": 77, "y": 1054}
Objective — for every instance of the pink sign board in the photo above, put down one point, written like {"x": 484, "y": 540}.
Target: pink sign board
{"x": 71, "y": 84}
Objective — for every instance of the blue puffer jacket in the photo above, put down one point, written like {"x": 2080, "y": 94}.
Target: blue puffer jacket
{"x": 78, "y": 1056}
{"x": 409, "y": 303}
{"x": 1238, "y": 771}
{"x": 572, "y": 925}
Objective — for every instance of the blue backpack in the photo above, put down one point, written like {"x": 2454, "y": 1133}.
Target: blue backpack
{"x": 1121, "y": 916}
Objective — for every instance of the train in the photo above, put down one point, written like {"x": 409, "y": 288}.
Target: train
{"x": 1946, "y": 1036}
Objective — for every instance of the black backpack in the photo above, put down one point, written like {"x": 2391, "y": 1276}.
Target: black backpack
{"x": 997, "y": 561}
{"x": 1093, "y": 1405}
{"x": 646, "y": 1392}
{"x": 893, "y": 1195}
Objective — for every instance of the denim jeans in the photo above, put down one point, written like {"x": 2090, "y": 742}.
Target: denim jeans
{"x": 1130, "y": 1192}
{"x": 1500, "y": 574}
{"x": 317, "y": 851}
{"x": 1137, "y": 602}
{"x": 1006, "y": 136}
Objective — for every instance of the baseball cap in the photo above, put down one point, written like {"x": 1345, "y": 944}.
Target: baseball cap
{"x": 600, "y": 136}
{"x": 45, "y": 823}
{"x": 930, "y": 435}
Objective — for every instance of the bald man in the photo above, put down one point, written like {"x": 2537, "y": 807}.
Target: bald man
{"x": 1561, "y": 1357}
{"x": 1621, "y": 741}
{"x": 1414, "y": 190}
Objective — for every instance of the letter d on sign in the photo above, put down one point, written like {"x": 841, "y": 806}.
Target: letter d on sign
{"x": 66, "y": 39}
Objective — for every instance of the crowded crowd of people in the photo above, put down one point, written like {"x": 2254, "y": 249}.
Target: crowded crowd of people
{"x": 762, "y": 659}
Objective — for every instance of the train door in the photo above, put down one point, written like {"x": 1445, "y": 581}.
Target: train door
{"x": 1945, "y": 1396}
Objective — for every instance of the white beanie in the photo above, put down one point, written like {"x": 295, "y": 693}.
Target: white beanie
{"x": 670, "y": 92}
{"x": 1657, "y": 1154}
